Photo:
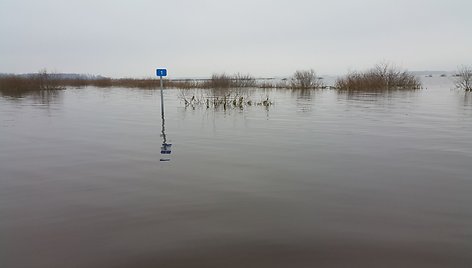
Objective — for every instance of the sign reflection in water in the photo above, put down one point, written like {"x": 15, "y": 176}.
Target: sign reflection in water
{"x": 166, "y": 147}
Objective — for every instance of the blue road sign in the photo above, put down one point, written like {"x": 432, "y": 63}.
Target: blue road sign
{"x": 161, "y": 72}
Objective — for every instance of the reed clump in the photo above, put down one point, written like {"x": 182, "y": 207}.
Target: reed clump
{"x": 230, "y": 81}
{"x": 18, "y": 83}
{"x": 42, "y": 81}
{"x": 383, "y": 76}
{"x": 183, "y": 83}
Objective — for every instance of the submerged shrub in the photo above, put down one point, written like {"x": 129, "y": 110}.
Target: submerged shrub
{"x": 228, "y": 81}
{"x": 305, "y": 79}
{"x": 382, "y": 77}
{"x": 243, "y": 80}
{"x": 219, "y": 81}
{"x": 463, "y": 78}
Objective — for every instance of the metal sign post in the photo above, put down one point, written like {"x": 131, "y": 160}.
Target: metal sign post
{"x": 166, "y": 147}
{"x": 161, "y": 73}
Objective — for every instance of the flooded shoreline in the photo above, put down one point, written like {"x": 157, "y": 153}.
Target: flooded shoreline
{"x": 320, "y": 178}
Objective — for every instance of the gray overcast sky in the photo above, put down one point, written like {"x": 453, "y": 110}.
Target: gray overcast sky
{"x": 265, "y": 38}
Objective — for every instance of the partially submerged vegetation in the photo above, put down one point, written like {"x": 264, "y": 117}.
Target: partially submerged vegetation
{"x": 463, "y": 78}
{"x": 46, "y": 81}
{"x": 229, "y": 81}
{"x": 42, "y": 81}
{"x": 305, "y": 80}
{"x": 223, "y": 98}
{"x": 382, "y": 77}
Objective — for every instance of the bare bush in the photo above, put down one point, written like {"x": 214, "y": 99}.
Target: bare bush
{"x": 464, "y": 78}
{"x": 304, "y": 80}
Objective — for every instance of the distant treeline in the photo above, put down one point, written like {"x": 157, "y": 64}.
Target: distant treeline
{"x": 381, "y": 77}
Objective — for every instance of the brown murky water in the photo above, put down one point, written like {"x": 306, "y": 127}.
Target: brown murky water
{"x": 319, "y": 179}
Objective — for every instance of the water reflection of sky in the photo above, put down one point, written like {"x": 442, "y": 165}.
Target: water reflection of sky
{"x": 316, "y": 168}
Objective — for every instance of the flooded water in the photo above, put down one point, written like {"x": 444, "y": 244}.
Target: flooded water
{"x": 318, "y": 179}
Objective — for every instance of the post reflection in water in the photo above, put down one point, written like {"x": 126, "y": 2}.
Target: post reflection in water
{"x": 166, "y": 147}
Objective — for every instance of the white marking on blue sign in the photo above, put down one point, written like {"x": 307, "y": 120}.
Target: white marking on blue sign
{"x": 161, "y": 72}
